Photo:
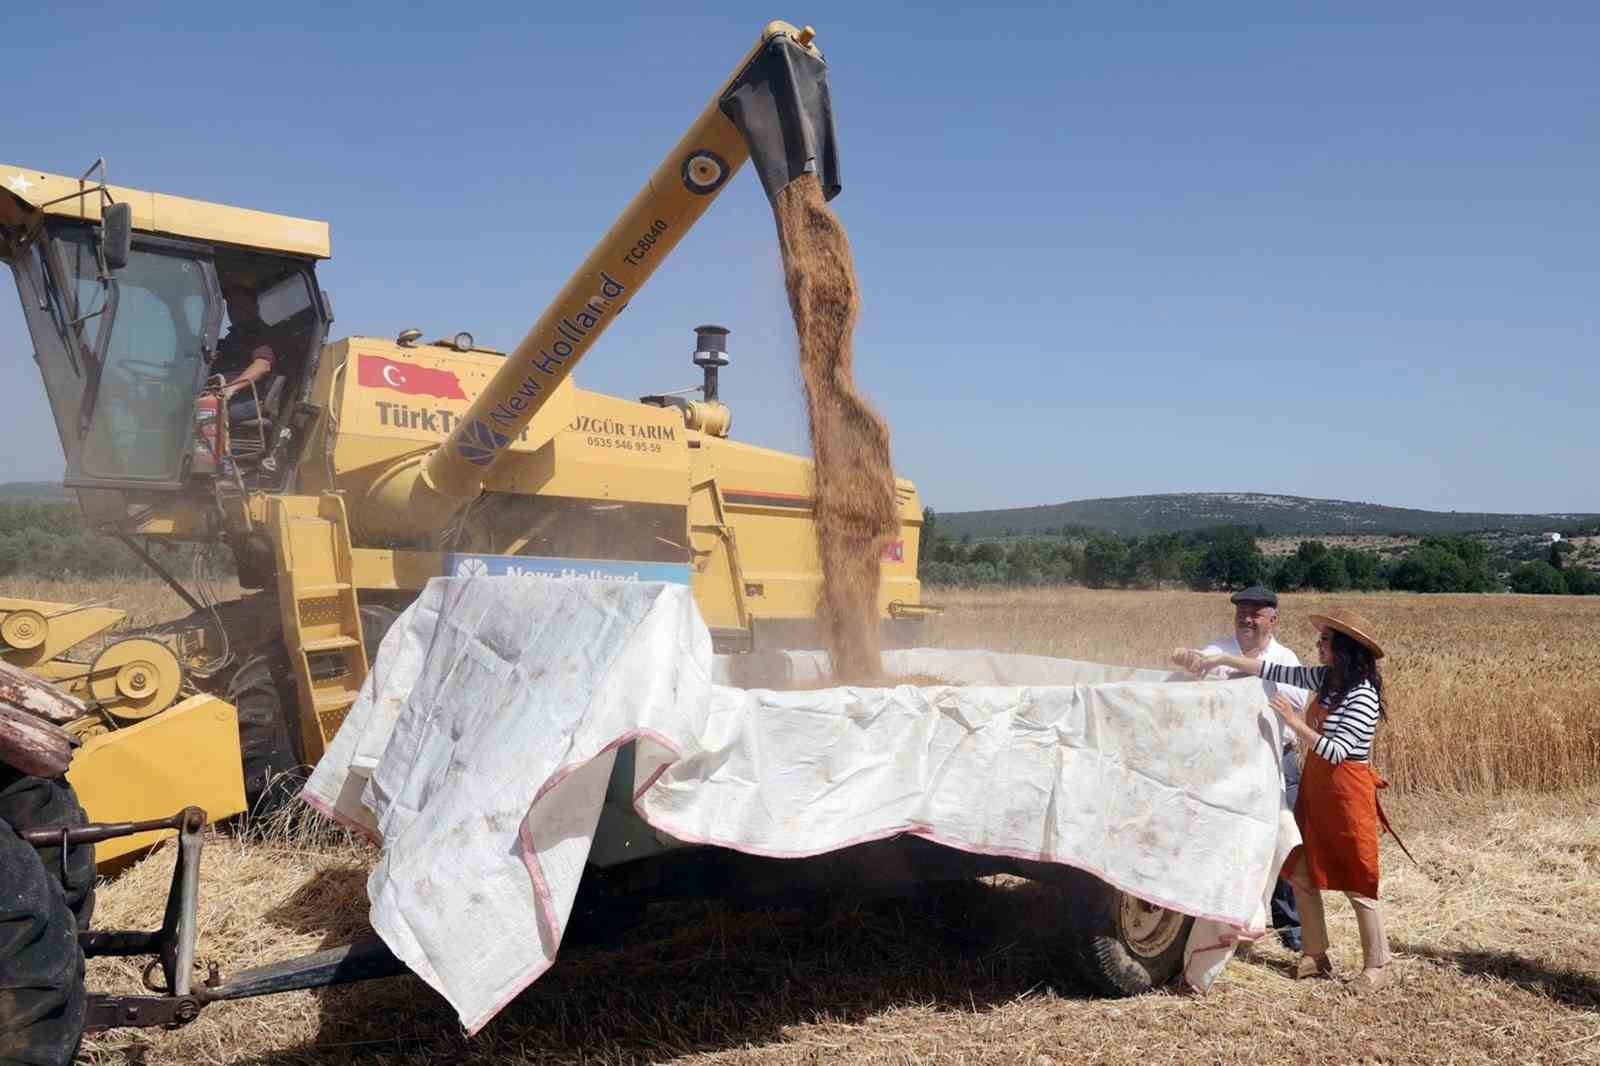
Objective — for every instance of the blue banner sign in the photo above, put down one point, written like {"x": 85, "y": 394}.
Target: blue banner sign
{"x": 464, "y": 565}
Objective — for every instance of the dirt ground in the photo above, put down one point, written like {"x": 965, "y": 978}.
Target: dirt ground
{"x": 1497, "y": 962}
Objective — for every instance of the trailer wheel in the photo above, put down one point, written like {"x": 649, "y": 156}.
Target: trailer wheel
{"x": 262, "y": 692}
{"x": 41, "y": 966}
{"x": 1125, "y": 946}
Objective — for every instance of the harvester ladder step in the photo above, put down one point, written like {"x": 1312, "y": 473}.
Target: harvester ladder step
{"x": 329, "y": 644}
{"x": 321, "y": 615}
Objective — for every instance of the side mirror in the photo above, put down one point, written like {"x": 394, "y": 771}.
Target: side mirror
{"x": 116, "y": 235}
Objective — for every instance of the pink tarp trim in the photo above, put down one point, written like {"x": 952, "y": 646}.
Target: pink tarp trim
{"x": 328, "y": 811}
{"x": 530, "y": 859}
{"x": 927, "y": 833}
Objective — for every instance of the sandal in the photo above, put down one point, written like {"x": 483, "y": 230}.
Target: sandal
{"x": 1366, "y": 981}
{"x": 1313, "y": 966}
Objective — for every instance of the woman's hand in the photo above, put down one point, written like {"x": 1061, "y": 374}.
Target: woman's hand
{"x": 1237, "y": 663}
{"x": 1286, "y": 710}
{"x": 1293, "y": 718}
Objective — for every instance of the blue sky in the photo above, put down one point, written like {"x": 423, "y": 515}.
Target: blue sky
{"x": 1343, "y": 250}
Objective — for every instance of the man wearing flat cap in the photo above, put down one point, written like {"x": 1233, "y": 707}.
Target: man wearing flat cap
{"x": 1255, "y": 620}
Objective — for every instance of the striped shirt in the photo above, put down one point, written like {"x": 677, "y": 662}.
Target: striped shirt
{"x": 1348, "y": 729}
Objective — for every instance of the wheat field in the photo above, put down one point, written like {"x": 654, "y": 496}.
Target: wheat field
{"x": 1484, "y": 693}
{"x": 1491, "y": 744}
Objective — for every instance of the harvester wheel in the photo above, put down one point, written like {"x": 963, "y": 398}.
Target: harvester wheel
{"x": 262, "y": 690}
{"x": 41, "y": 965}
{"x": 1123, "y": 945}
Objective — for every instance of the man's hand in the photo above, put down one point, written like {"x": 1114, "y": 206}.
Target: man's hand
{"x": 1186, "y": 659}
{"x": 1237, "y": 665}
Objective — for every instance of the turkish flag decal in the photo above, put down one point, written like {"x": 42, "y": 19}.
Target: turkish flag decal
{"x": 374, "y": 371}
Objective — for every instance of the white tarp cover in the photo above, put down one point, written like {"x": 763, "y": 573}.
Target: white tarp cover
{"x": 479, "y": 752}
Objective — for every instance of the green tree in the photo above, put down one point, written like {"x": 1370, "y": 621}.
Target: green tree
{"x": 1554, "y": 558}
{"x": 1288, "y": 574}
{"x": 1430, "y": 569}
{"x": 1445, "y": 564}
{"x": 1328, "y": 573}
{"x": 1027, "y": 562}
{"x": 1160, "y": 556}
{"x": 1539, "y": 578}
{"x": 1581, "y": 581}
{"x": 1065, "y": 562}
{"x": 1229, "y": 559}
{"x": 988, "y": 552}
{"x": 1365, "y": 569}
{"x": 1105, "y": 560}
{"x": 1310, "y": 551}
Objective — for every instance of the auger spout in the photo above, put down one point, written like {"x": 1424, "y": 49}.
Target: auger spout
{"x": 774, "y": 108}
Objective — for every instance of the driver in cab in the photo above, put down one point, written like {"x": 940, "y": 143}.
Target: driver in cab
{"x": 244, "y": 357}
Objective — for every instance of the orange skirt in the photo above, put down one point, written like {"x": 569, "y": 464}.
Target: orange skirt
{"x": 1337, "y": 811}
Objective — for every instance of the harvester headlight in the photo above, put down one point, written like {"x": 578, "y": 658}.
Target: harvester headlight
{"x": 462, "y": 341}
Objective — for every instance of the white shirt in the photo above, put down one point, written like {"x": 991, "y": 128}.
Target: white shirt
{"x": 1274, "y": 653}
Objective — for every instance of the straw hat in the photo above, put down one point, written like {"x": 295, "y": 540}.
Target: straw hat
{"x": 1351, "y": 625}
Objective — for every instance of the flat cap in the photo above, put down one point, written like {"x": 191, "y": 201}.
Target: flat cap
{"x": 1256, "y": 594}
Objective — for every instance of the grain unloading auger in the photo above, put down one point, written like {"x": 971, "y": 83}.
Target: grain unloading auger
{"x": 369, "y": 465}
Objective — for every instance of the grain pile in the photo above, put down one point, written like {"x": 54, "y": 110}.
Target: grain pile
{"x": 855, "y": 501}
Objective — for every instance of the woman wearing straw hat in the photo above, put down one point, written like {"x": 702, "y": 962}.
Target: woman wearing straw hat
{"x": 1337, "y": 809}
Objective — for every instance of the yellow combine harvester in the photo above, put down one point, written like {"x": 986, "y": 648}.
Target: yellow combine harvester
{"x": 361, "y": 468}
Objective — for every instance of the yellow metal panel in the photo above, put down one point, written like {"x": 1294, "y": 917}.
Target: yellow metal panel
{"x": 65, "y": 625}
{"x": 381, "y": 568}
{"x": 766, "y": 497}
{"x": 186, "y": 755}
{"x": 393, "y": 402}
{"x": 160, "y": 213}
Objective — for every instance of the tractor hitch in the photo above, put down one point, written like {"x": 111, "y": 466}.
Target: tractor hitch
{"x": 175, "y": 999}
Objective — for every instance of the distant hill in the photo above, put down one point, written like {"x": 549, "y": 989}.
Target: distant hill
{"x": 33, "y": 490}
{"x": 1277, "y": 515}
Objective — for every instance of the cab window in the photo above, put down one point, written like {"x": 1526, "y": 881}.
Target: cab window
{"x": 143, "y": 405}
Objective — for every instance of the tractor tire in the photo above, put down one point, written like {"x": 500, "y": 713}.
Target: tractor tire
{"x": 38, "y": 802}
{"x": 42, "y": 995}
{"x": 1122, "y": 945}
{"x": 263, "y": 692}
